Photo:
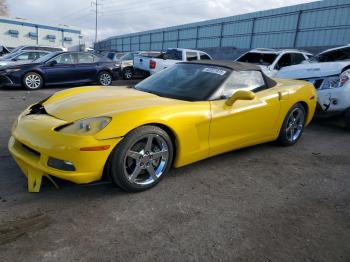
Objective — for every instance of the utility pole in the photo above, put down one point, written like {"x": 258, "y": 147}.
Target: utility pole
{"x": 96, "y": 5}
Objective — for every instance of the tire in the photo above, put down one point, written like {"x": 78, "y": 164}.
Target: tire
{"x": 105, "y": 78}
{"x": 128, "y": 73}
{"x": 293, "y": 126}
{"x": 33, "y": 81}
{"x": 347, "y": 118}
{"x": 141, "y": 159}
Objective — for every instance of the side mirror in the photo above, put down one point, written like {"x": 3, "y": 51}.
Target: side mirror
{"x": 52, "y": 63}
{"x": 240, "y": 95}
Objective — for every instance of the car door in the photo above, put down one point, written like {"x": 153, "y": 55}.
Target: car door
{"x": 246, "y": 122}
{"x": 64, "y": 71}
{"x": 283, "y": 61}
{"x": 86, "y": 68}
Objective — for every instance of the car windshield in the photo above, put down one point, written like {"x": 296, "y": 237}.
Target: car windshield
{"x": 332, "y": 56}
{"x": 190, "y": 82}
{"x": 45, "y": 58}
{"x": 258, "y": 58}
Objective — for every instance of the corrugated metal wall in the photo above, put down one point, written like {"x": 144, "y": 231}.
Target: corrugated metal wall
{"x": 316, "y": 24}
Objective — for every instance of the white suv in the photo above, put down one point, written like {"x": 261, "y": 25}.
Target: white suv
{"x": 272, "y": 60}
{"x": 330, "y": 73}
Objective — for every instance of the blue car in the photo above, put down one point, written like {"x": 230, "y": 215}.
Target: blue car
{"x": 60, "y": 68}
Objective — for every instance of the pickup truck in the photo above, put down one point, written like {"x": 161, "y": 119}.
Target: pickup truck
{"x": 330, "y": 73}
{"x": 167, "y": 59}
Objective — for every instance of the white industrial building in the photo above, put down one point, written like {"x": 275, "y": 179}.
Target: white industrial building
{"x": 15, "y": 32}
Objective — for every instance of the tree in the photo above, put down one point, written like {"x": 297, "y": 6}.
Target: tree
{"x": 3, "y": 8}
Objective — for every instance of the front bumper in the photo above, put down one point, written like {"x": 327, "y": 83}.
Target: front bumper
{"x": 34, "y": 141}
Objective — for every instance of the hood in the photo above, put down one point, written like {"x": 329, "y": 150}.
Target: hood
{"x": 85, "y": 102}
{"x": 17, "y": 64}
{"x": 312, "y": 70}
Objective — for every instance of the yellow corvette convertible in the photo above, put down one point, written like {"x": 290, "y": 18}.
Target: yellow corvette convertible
{"x": 134, "y": 135}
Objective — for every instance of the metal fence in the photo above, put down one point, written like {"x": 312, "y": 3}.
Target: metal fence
{"x": 316, "y": 24}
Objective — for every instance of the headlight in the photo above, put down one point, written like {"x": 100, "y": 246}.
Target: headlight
{"x": 336, "y": 81}
{"x": 344, "y": 77}
{"x": 12, "y": 70}
{"x": 89, "y": 126}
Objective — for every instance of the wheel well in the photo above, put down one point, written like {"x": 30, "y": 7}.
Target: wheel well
{"x": 345, "y": 68}
{"x": 128, "y": 67}
{"x": 170, "y": 133}
{"x": 306, "y": 108}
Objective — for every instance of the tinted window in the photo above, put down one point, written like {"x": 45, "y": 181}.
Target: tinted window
{"x": 191, "y": 56}
{"x": 243, "y": 80}
{"x": 204, "y": 56}
{"x": 297, "y": 58}
{"x": 85, "y": 58}
{"x": 64, "y": 59}
{"x": 26, "y": 56}
{"x": 190, "y": 82}
{"x": 336, "y": 55}
{"x": 110, "y": 55}
{"x": 41, "y": 54}
{"x": 285, "y": 60}
{"x": 173, "y": 54}
{"x": 258, "y": 58}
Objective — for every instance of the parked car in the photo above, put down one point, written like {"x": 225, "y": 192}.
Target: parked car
{"x": 21, "y": 57}
{"x": 126, "y": 63}
{"x": 60, "y": 68}
{"x": 115, "y": 56}
{"x": 330, "y": 73}
{"x": 272, "y": 60}
{"x": 170, "y": 57}
{"x": 181, "y": 115}
{"x": 38, "y": 47}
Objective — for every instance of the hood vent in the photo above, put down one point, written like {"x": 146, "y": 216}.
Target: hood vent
{"x": 37, "y": 109}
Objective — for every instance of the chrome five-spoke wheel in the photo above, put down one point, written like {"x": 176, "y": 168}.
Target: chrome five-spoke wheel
{"x": 141, "y": 159}
{"x": 293, "y": 125}
{"x": 146, "y": 160}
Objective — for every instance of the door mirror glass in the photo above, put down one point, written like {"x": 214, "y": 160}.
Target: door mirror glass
{"x": 240, "y": 95}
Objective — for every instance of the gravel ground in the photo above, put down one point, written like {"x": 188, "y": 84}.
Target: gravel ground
{"x": 264, "y": 203}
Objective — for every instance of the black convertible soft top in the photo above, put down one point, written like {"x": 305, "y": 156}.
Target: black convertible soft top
{"x": 236, "y": 66}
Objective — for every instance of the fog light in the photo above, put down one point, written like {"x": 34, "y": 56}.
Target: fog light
{"x": 60, "y": 164}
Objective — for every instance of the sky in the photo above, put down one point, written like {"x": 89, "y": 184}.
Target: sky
{"x": 116, "y": 17}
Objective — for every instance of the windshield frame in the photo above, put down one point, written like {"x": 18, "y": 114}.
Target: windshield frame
{"x": 276, "y": 55}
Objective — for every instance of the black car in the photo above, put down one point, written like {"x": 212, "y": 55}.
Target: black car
{"x": 60, "y": 68}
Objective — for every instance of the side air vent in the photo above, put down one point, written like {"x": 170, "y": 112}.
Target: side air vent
{"x": 37, "y": 109}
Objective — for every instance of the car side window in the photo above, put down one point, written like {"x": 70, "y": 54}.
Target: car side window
{"x": 285, "y": 60}
{"x": 85, "y": 58}
{"x": 204, "y": 56}
{"x": 65, "y": 59}
{"x": 24, "y": 56}
{"x": 191, "y": 56}
{"x": 41, "y": 54}
{"x": 297, "y": 58}
{"x": 243, "y": 80}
